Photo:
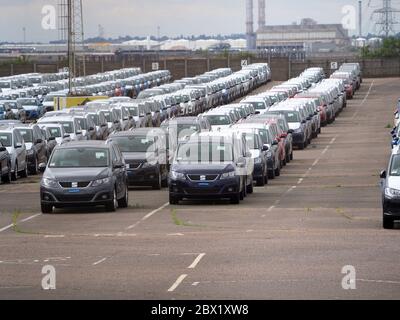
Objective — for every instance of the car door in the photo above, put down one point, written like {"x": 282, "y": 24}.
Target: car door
{"x": 117, "y": 172}
{"x": 40, "y": 145}
{"x": 20, "y": 151}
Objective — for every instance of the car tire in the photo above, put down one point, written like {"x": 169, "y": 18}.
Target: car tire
{"x": 260, "y": 182}
{"x": 8, "y": 177}
{"x": 173, "y": 200}
{"x": 271, "y": 174}
{"x": 250, "y": 189}
{"x": 112, "y": 205}
{"x": 277, "y": 172}
{"x": 124, "y": 202}
{"x": 46, "y": 208}
{"x": 388, "y": 222}
{"x": 14, "y": 176}
{"x": 158, "y": 184}
{"x": 287, "y": 158}
{"x": 24, "y": 173}
{"x": 302, "y": 146}
{"x": 235, "y": 199}
{"x": 34, "y": 171}
{"x": 291, "y": 156}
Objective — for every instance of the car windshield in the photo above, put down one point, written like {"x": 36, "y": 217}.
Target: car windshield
{"x": 135, "y": 144}
{"x": 188, "y": 129}
{"x": 26, "y": 134}
{"x": 205, "y": 152}
{"x": 6, "y": 139}
{"x": 68, "y": 126}
{"x": 94, "y": 118}
{"x": 80, "y": 158}
{"x": 107, "y": 115}
{"x": 258, "y": 105}
{"x": 5, "y": 85}
{"x": 133, "y": 111}
{"x": 55, "y": 132}
{"x": 395, "y": 166}
{"x": 219, "y": 120}
{"x": 28, "y": 102}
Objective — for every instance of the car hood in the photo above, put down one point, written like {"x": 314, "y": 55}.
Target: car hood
{"x": 30, "y": 108}
{"x": 199, "y": 168}
{"x": 393, "y": 182}
{"x": 135, "y": 155}
{"x": 76, "y": 174}
{"x": 294, "y": 125}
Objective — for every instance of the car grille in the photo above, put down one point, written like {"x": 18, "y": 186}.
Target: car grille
{"x": 75, "y": 198}
{"x": 195, "y": 191}
{"x": 69, "y": 184}
{"x": 198, "y": 177}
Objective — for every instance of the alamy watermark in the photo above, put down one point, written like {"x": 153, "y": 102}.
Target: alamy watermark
{"x": 349, "y": 280}
{"x": 49, "y": 279}
{"x": 49, "y": 17}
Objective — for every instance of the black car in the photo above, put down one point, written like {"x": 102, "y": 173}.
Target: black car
{"x": 86, "y": 173}
{"x": 144, "y": 150}
{"x": 5, "y": 165}
{"x": 207, "y": 168}
{"x": 36, "y": 147}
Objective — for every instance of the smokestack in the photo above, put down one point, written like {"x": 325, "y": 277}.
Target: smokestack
{"x": 261, "y": 14}
{"x": 360, "y": 17}
{"x": 249, "y": 24}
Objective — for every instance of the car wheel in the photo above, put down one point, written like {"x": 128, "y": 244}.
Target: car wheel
{"x": 388, "y": 222}
{"x": 113, "y": 204}
{"x": 164, "y": 182}
{"x": 34, "y": 170}
{"x": 158, "y": 186}
{"x": 46, "y": 208}
{"x": 235, "y": 199}
{"x": 24, "y": 173}
{"x": 7, "y": 178}
{"x": 15, "y": 174}
{"x": 291, "y": 156}
{"x": 173, "y": 200}
{"x": 277, "y": 172}
{"x": 302, "y": 146}
{"x": 124, "y": 202}
{"x": 250, "y": 189}
{"x": 242, "y": 194}
{"x": 260, "y": 182}
{"x": 287, "y": 157}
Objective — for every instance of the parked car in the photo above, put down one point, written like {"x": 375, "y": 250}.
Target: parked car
{"x": 32, "y": 107}
{"x": 36, "y": 147}
{"x": 71, "y": 125}
{"x": 85, "y": 173}
{"x": 18, "y": 113}
{"x": 144, "y": 151}
{"x": 390, "y": 182}
{"x": 15, "y": 145}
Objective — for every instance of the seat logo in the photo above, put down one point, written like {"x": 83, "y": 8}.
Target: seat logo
{"x": 74, "y": 184}
{"x": 202, "y": 178}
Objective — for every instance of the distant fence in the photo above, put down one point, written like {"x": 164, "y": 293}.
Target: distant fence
{"x": 282, "y": 68}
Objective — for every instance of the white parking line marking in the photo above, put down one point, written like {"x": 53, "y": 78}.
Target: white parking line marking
{"x": 195, "y": 284}
{"x": 55, "y": 236}
{"x": 177, "y": 283}
{"x": 271, "y": 208}
{"x": 325, "y": 150}
{"x": 100, "y": 261}
{"x": 300, "y": 181}
{"x": 6, "y": 228}
{"x": 148, "y": 216}
{"x": 315, "y": 162}
{"x": 31, "y": 217}
{"x": 196, "y": 261}
{"x": 175, "y": 234}
{"x": 379, "y": 281}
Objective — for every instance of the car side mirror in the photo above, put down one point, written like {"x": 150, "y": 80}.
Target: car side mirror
{"x": 3, "y": 149}
{"x": 392, "y": 132}
{"x": 79, "y": 132}
{"x": 18, "y": 145}
{"x": 265, "y": 147}
{"x": 304, "y": 121}
{"x": 290, "y": 131}
{"x": 91, "y": 129}
{"x": 67, "y": 136}
{"x": 383, "y": 174}
{"x": 52, "y": 138}
{"x": 118, "y": 165}
{"x": 39, "y": 141}
{"x": 42, "y": 167}
{"x": 116, "y": 121}
{"x": 104, "y": 125}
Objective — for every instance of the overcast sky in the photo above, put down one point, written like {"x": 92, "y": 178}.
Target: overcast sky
{"x": 175, "y": 17}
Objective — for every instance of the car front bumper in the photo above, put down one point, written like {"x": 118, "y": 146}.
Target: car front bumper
{"x": 204, "y": 189}
{"x": 142, "y": 176}
{"x": 391, "y": 208}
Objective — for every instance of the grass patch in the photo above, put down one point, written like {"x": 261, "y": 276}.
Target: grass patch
{"x": 180, "y": 223}
{"x": 388, "y": 126}
{"x": 16, "y": 228}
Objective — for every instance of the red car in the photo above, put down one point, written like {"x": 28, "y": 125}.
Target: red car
{"x": 322, "y": 107}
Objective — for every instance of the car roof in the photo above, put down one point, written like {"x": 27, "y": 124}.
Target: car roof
{"x": 85, "y": 144}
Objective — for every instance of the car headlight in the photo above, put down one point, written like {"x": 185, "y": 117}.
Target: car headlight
{"x": 177, "y": 175}
{"x": 100, "y": 182}
{"x": 257, "y": 161}
{"x": 392, "y": 193}
{"x": 228, "y": 175}
{"x": 50, "y": 183}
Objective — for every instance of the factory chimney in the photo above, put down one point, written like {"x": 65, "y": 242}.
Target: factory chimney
{"x": 250, "y": 36}
{"x": 261, "y": 14}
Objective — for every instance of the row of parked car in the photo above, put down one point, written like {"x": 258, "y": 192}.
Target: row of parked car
{"x": 220, "y": 153}
{"x": 31, "y": 145}
{"x": 31, "y": 102}
{"x": 390, "y": 177}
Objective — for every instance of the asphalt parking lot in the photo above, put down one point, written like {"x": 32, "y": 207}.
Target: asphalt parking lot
{"x": 289, "y": 240}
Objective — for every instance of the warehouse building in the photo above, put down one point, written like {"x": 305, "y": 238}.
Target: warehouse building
{"x": 308, "y": 36}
